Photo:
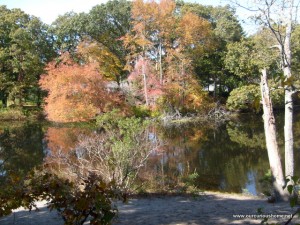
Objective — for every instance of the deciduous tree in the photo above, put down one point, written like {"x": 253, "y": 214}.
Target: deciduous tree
{"x": 25, "y": 48}
{"x": 77, "y": 92}
{"x": 162, "y": 37}
{"x": 278, "y": 17}
{"x": 208, "y": 61}
{"x": 261, "y": 57}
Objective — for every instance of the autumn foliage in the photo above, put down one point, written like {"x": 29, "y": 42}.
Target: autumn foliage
{"x": 159, "y": 51}
{"x": 153, "y": 87}
{"x": 161, "y": 43}
{"x": 76, "y": 92}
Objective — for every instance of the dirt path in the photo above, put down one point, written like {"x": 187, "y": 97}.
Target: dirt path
{"x": 210, "y": 208}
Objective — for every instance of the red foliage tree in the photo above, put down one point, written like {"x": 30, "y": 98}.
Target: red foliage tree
{"x": 151, "y": 86}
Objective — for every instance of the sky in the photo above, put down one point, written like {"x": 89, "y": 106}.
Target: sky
{"x": 49, "y": 10}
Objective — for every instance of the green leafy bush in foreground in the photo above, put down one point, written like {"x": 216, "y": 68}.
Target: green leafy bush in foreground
{"x": 91, "y": 197}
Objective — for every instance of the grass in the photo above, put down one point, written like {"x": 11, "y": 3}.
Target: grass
{"x": 20, "y": 113}
{"x": 12, "y": 114}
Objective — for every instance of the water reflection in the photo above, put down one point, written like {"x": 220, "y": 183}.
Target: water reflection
{"x": 21, "y": 148}
{"x": 231, "y": 157}
{"x": 64, "y": 139}
{"x": 221, "y": 163}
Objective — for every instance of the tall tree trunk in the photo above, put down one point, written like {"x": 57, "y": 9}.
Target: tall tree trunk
{"x": 145, "y": 82}
{"x": 288, "y": 134}
{"x": 160, "y": 65}
{"x": 288, "y": 124}
{"x": 271, "y": 141}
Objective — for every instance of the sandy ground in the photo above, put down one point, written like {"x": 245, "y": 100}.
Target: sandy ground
{"x": 209, "y": 208}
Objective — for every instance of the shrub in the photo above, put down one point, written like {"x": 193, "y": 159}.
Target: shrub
{"x": 120, "y": 151}
{"x": 76, "y": 201}
{"x": 141, "y": 111}
{"x": 247, "y": 98}
{"x": 243, "y": 98}
{"x": 77, "y": 92}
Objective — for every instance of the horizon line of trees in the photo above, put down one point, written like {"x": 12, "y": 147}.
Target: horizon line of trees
{"x": 178, "y": 47}
{"x": 163, "y": 56}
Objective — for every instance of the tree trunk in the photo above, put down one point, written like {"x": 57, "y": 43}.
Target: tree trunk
{"x": 271, "y": 141}
{"x": 145, "y": 82}
{"x": 160, "y": 65}
{"x": 39, "y": 98}
{"x": 215, "y": 86}
{"x": 288, "y": 123}
{"x": 288, "y": 134}
{"x": 4, "y": 98}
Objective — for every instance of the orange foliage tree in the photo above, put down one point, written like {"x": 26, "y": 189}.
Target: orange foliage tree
{"x": 76, "y": 92}
{"x": 160, "y": 44}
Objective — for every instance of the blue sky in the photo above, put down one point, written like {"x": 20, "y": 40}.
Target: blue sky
{"x": 49, "y": 10}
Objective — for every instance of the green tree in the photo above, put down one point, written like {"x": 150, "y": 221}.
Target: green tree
{"x": 68, "y": 31}
{"x": 261, "y": 57}
{"x": 103, "y": 26}
{"x": 209, "y": 62}
{"x": 25, "y": 47}
{"x": 115, "y": 20}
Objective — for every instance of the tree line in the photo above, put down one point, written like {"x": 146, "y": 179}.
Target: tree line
{"x": 166, "y": 57}
{"x": 161, "y": 55}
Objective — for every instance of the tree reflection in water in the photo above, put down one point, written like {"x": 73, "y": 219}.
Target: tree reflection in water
{"x": 231, "y": 157}
{"x": 21, "y": 149}
{"x": 116, "y": 153}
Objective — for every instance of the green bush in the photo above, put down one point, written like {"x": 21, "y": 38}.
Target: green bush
{"x": 125, "y": 150}
{"x": 247, "y": 98}
{"x": 141, "y": 111}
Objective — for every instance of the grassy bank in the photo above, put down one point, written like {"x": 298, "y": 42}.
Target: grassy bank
{"x": 20, "y": 113}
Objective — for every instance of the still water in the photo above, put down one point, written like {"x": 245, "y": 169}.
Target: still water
{"x": 227, "y": 157}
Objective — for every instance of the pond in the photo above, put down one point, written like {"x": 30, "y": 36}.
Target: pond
{"x": 229, "y": 157}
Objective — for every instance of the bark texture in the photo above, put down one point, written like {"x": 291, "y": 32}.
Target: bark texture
{"x": 271, "y": 141}
{"x": 288, "y": 123}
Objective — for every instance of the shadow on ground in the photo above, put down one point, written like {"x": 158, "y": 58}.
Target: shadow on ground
{"x": 209, "y": 208}
{"x": 41, "y": 217}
